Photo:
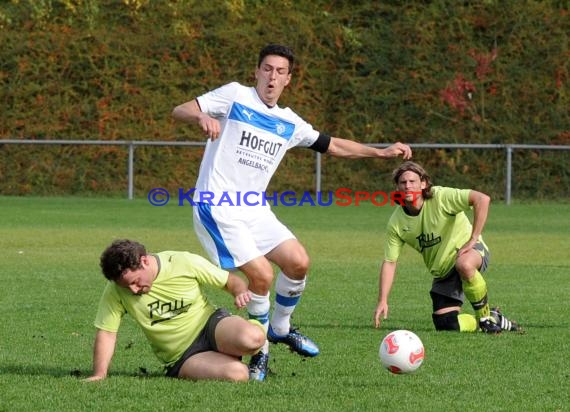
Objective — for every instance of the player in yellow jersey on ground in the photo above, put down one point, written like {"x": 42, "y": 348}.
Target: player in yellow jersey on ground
{"x": 162, "y": 292}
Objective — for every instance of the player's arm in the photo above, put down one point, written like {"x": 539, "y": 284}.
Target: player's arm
{"x": 191, "y": 113}
{"x": 103, "y": 350}
{"x": 349, "y": 149}
{"x": 237, "y": 287}
{"x": 480, "y": 203}
{"x": 386, "y": 279}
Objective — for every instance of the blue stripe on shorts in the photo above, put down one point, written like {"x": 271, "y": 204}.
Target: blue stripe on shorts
{"x": 224, "y": 256}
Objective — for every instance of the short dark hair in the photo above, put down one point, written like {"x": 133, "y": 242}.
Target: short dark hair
{"x": 410, "y": 166}
{"x": 277, "y": 50}
{"x": 120, "y": 256}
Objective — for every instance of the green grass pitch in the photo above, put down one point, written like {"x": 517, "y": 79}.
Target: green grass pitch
{"x": 51, "y": 285}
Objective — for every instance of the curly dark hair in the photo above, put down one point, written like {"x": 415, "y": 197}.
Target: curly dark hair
{"x": 277, "y": 50}
{"x": 121, "y": 255}
{"x": 417, "y": 169}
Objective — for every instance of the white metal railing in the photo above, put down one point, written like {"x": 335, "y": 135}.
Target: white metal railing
{"x": 132, "y": 144}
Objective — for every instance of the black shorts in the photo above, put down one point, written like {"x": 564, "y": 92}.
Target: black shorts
{"x": 204, "y": 342}
{"x": 448, "y": 291}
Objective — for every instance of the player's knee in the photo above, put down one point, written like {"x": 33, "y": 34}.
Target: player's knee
{"x": 446, "y": 321}
{"x": 265, "y": 281}
{"x": 254, "y": 338}
{"x": 298, "y": 265}
{"x": 302, "y": 265}
{"x": 261, "y": 282}
{"x": 467, "y": 264}
{"x": 463, "y": 268}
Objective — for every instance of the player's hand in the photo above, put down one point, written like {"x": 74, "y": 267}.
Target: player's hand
{"x": 241, "y": 299}
{"x": 466, "y": 247}
{"x": 398, "y": 149}
{"x": 210, "y": 126}
{"x": 381, "y": 312}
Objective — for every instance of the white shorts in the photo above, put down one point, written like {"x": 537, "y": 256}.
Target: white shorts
{"x": 235, "y": 235}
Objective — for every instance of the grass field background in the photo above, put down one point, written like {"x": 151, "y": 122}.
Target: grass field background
{"x": 51, "y": 286}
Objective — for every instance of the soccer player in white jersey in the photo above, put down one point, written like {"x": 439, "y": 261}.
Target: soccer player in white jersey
{"x": 248, "y": 136}
{"x": 432, "y": 221}
{"x": 162, "y": 292}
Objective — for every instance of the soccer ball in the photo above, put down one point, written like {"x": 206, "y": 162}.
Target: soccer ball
{"x": 401, "y": 351}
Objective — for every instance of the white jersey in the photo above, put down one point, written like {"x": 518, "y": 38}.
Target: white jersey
{"x": 252, "y": 142}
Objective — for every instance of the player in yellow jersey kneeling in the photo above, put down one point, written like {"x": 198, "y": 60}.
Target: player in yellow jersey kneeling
{"x": 432, "y": 221}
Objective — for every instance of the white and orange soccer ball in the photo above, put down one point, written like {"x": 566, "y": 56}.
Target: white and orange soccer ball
{"x": 402, "y": 351}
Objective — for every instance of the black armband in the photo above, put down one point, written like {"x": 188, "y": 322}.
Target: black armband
{"x": 322, "y": 143}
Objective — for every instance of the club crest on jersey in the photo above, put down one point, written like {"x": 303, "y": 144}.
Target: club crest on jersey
{"x": 263, "y": 122}
{"x": 280, "y": 128}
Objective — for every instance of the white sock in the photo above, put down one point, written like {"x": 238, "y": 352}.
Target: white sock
{"x": 258, "y": 308}
{"x": 287, "y": 294}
